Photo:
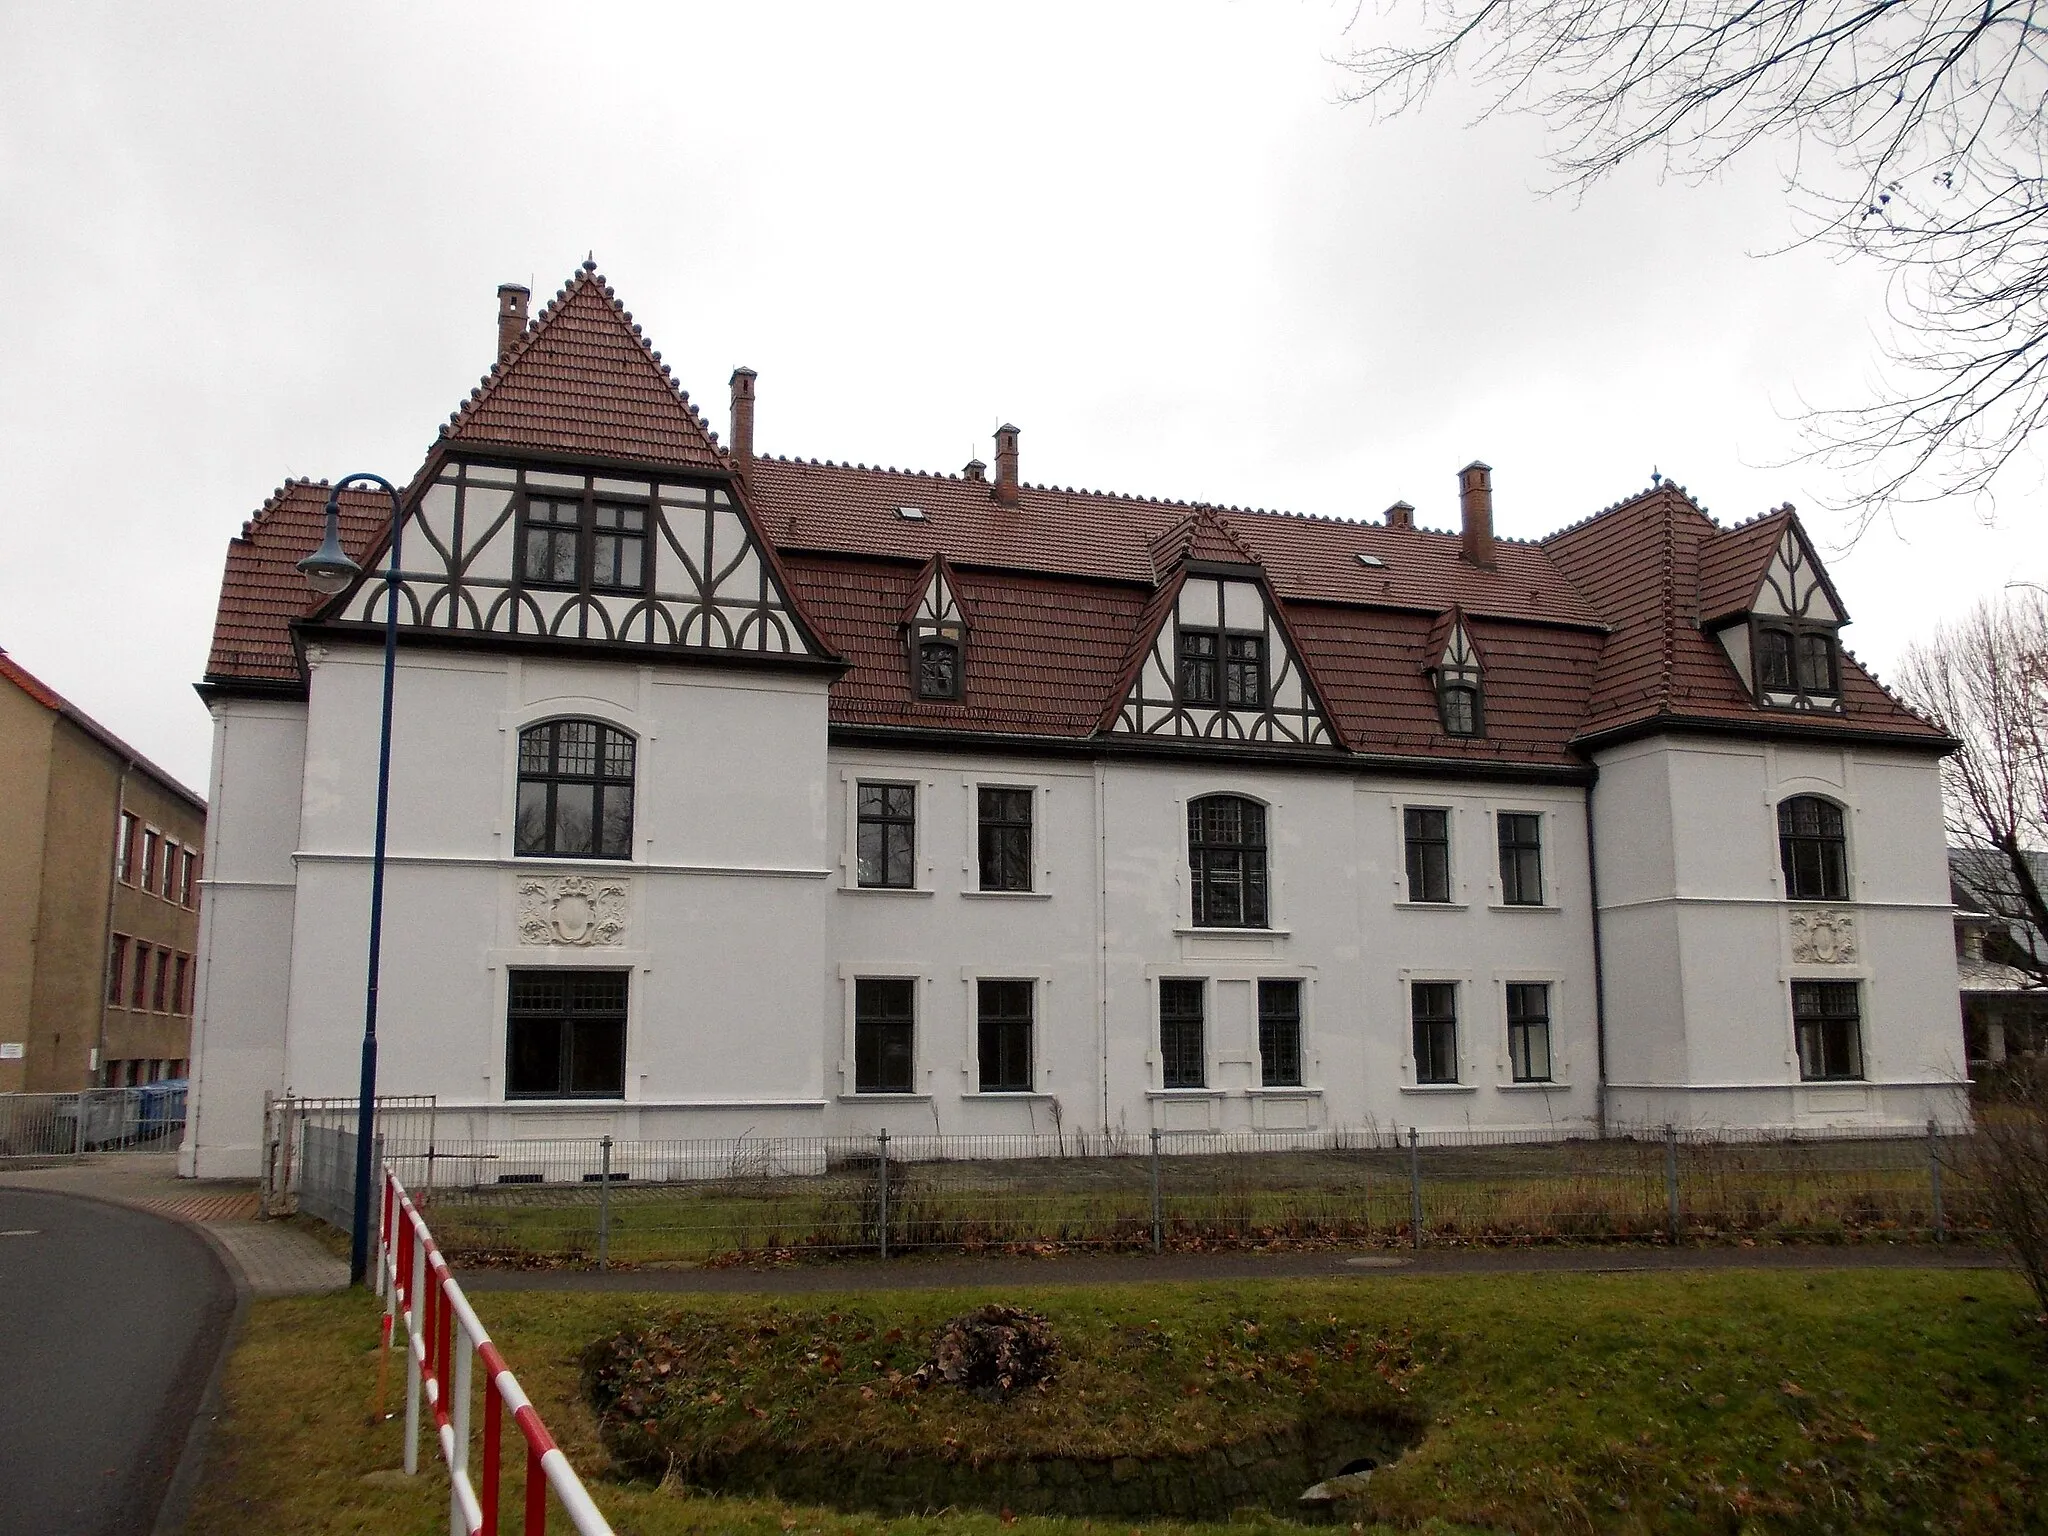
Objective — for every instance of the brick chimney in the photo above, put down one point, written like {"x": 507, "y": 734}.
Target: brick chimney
{"x": 511, "y": 315}
{"x": 1400, "y": 515}
{"x": 743, "y": 416}
{"x": 1475, "y": 501}
{"x": 1006, "y": 465}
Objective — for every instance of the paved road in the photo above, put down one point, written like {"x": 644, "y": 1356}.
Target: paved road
{"x": 110, "y": 1323}
{"x": 1122, "y": 1268}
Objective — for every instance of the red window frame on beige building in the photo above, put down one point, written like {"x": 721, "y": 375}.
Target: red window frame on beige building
{"x": 163, "y": 981}
{"x": 124, "y": 850}
{"x": 181, "y": 978}
{"x": 188, "y": 877}
{"x": 117, "y": 970}
{"x": 152, "y": 840}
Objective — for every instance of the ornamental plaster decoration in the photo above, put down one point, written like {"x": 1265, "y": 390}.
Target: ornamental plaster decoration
{"x": 1824, "y": 938}
{"x": 572, "y": 909}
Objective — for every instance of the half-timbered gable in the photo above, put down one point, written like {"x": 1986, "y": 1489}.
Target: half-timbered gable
{"x": 578, "y": 496}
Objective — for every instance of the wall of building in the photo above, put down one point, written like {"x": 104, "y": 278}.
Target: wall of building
{"x": 255, "y": 787}
{"x": 26, "y": 728}
{"x": 156, "y": 915}
{"x": 1690, "y": 883}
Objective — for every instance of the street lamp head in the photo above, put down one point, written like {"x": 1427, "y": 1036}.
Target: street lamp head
{"x": 328, "y": 569}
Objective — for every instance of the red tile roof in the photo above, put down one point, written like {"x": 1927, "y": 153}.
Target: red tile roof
{"x": 1590, "y": 631}
{"x": 583, "y": 380}
{"x": 261, "y": 590}
{"x": 14, "y": 672}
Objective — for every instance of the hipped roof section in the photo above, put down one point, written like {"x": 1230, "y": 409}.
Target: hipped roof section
{"x": 1592, "y": 630}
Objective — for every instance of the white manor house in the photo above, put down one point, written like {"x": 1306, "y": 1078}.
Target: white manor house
{"x": 737, "y": 794}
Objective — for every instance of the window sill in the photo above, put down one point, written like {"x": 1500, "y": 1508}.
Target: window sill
{"x": 1183, "y": 1093}
{"x": 1234, "y": 933}
{"x": 1543, "y": 1087}
{"x": 1008, "y": 895}
{"x": 1439, "y": 1087}
{"x": 1833, "y": 1082}
{"x": 888, "y": 890}
{"x": 1523, "y": 906}
{"x": 1009, "y": 1095}
{"x": 884, "y": 1098}
{"x": 559, "y": 1101}
{"x": 1432, "y": 906}
{"x": 1284, "y": 1091}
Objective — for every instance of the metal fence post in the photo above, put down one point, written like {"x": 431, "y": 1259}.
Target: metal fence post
{"x": 78, "y": 1128}
{"x": 1671, "y": 1180}
{"x": 1414, "y": 1187}
{"x": 1934, "y": 1179}
{"x": 604, "y": 1202}
{"x": 1158, "y": 1232}
{"x": 882, "y": 1167}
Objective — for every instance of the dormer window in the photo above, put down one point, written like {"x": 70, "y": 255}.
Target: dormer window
{"x": 1217, "y": 667}
{"x": 938, "y": 668}
{"x": 1455, "y": 672}
{"x": 572, "y": 542}
{"x": 936, "y": 636}
{"x": 1796, "y": 665}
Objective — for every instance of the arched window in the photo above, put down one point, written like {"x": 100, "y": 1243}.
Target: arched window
{"x": 1813, "y": 849}
{"x": 1227, "y": 861}
{"x": 575, "y": 791}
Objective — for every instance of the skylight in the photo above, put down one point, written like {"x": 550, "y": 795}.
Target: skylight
{"x": 1373, "y": 561}
{"x": 911, "y": 514}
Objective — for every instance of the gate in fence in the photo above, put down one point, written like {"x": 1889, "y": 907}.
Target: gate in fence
{"x": 327, "y": 1174}
{"x": 295, "y": 1128}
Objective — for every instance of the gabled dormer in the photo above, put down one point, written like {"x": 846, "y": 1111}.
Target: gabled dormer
{"x": 1216, "y": 660}
{"x": 1778, "y": 618}
{"x": 935, "y": 636}
{"x": 578, "y": 497}
{"x": 1455, "y": 673}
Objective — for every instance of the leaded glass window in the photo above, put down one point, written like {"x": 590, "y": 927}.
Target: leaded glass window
{"x": 1227, "y": 861}
{"x": 575, "y": 791}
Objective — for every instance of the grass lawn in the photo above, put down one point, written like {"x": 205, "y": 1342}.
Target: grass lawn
{"x": 1759, "y": 1401}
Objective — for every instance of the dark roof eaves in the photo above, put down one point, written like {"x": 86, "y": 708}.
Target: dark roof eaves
{"x": 1839, "y": 732}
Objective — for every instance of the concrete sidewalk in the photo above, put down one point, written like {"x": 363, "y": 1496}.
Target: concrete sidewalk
{"x": 934, "y": 1271}
{"x": 273, "y": 1258}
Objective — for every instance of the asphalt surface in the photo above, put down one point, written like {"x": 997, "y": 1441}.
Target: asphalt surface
{"x": 932, "y": 1271}
{"x": 111, "y": 1324}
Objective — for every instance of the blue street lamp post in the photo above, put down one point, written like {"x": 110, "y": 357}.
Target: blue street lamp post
{"x": 329, "y": 570}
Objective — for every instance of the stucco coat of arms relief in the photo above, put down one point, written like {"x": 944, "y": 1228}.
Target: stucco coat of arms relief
{"x": 1823, "y": 938}
{"x": 575, "y": 910}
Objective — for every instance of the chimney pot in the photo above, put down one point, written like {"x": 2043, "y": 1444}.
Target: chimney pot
{"x": 512, "y": 299}
{"x": 1006, "y": 465}
{"x": 1400, "y": 515}
{"x": 743, "y": 416}
{"x": 1475, "y": 501}
{"x": 976, "y": 471}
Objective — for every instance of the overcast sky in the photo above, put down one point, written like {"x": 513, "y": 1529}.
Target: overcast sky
{"x": 247, "y": 242}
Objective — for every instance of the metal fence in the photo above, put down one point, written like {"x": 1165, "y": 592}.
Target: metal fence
{"x": 327, "y": 1174}
{"x": 296, "y": 1131}
{"x": 149, "y": 1117}
{"x": 572, "y": 1201}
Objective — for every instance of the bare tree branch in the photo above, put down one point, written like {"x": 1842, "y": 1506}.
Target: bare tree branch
{"x": 1917, "y": 132}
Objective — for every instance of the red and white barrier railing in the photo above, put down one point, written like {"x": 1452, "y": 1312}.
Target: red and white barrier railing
{"x": 443, "y": 1341}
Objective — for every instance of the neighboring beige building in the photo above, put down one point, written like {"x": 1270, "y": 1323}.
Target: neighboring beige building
{"x": 99, "y": 901}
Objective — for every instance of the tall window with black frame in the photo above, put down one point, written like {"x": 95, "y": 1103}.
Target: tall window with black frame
{"x": 1827, "y": 1016}
{"x": 1433, "y": 1009}
{"x": 1813, "y": 849}
{"x": 884, "y": 1034}
{"x": 1426, "y": 831}
{"x": 565, "y": 1034}
{"x": 1003, "y": 1021}
{"x": 1279, "y": 1033}
{"x": 1183, "y": 1054}
{"x": 1529, "y": 1031}
{"x": 575, "y": 791}
{"x": 1227, "y": 861}
{"x": 1521, "y": 858}
{"x": 886, "y": 836}
{"x": 1004, "y": 829}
